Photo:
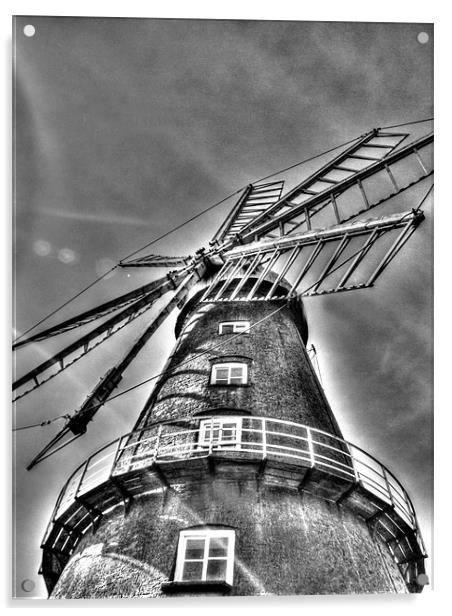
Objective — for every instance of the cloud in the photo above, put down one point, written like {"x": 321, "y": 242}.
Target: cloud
{"x": 106, "y": 218}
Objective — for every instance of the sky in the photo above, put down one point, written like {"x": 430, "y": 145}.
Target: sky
{"x": 123, "y": 129}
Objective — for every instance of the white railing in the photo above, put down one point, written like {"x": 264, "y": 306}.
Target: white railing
{"x": 244, "y": 436}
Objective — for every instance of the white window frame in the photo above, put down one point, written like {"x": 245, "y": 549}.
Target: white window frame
{"x": 237, "y": 327}
{"x": 207, "y": 534}
{"x": 208, "y": 426}
{"x": 229, "y": 366}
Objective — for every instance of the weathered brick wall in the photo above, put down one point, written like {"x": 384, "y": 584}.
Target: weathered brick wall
{"x": 285, "y": 544}
{"x": 282, "y": 383}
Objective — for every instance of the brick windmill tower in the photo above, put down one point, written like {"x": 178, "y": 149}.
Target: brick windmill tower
{"x": 236, "y": 479}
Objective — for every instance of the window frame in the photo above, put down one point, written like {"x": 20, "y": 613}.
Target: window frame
{"x": 238, "y": 327}
{"x": 229, "y": 365}
{"x": 207, "y": 534}
{"x": 209, "y": 425}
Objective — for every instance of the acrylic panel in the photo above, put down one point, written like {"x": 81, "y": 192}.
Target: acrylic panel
{"x": 222, "y": 307}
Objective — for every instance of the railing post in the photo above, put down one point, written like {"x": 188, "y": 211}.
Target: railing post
{"x": 157, "y": 443}
{"x": 115, "y": 457}
{"x": 310, "y": 447}
{"x": 211, "y": 436}
{"x": 58, "y": 503}
{"x": 264, "y": 437}
{"x": 54, "y": 513}
{"x": 82, "y": 476}
{"x": 410, "y": 508}
{"x": 388, "y": 487}
{"x": 352, "y": 458}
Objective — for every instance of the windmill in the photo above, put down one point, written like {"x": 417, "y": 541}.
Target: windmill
{"x": 283, "y": 240}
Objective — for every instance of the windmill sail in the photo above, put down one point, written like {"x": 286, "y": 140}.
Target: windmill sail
{"x": 78, "y": 349}
{"x": 351, "y": 184}
{"x": 255, "y": 200}
{"x": 345, "y": 257}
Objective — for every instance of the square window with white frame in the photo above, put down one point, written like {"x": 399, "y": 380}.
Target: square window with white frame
{"x": 205, "y": 555}
{"x": 233, "y": 327}
{"x": 231, "y": 373}
{"x": 221, "y": 432}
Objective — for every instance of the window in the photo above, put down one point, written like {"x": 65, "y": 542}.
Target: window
{"x": 205, "y": 555}
{"x": 231, "y": 373}
{"x": 233, "y": 327}
{"x": 221, "y": 432}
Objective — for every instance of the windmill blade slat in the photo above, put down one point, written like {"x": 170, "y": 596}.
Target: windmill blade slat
{"x": 263, "y": 196}
{"x": 379, "y": 145}
{"x": 295, "y": 257}
{"x": 271, "y": 219}
{"x": 294, "y": 254}
{"x": 362, "y": 157}
{"x": 91, "y": 340}
{"x": 254, "y": 266}
{"x": 316, "y": 250}
{"x": 234, "y": 270}
{"x": 94, "y": 313}
{"x": 358, "y": 258}
{"x": 332, "y": 261}
{"x": 273, "y": 258}
{"x": 391, "y": 253}
{"x": 255, "y": 200}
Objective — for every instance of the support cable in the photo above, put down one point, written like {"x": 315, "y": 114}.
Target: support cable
{"x": 407, "y": 123}
{"x": 307, "y": 160}
{"x": 64, "y": 304}
{"x": 315, "y": 362}
{"x": 318, "y": 369}
{"x": 424, "y": 199}
{"x": 182, "y": 224}
{"x": 46, "y": 422}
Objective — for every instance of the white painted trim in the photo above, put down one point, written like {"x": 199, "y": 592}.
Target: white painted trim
{"x": 207, "y": 534}
{"x": 237, "y": 327}
{"x": 229, "y": 365}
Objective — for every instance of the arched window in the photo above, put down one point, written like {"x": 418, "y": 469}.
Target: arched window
{"x": 205, "y": 554}
{"x": 229, "y": 373}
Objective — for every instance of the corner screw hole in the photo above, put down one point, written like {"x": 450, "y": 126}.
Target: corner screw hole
{"x": 27, "y": 585}
{"x": 29, "y": 30}
{"x": 423, "y": 38}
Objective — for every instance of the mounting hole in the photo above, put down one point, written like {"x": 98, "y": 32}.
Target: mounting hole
{"x": 29, "y": 30}
{"x": 27, "y": 585}
{"x": 423, "y": 38}
{"x": 422, "y": 579}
